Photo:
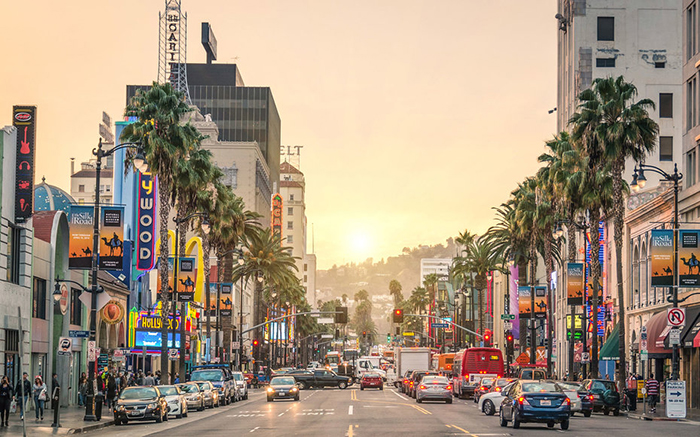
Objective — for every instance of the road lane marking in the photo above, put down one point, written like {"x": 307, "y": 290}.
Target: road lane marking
{"x": 350, "y": 434}
{"x": 253, "y": 430}
{"x": 350, "y": 410}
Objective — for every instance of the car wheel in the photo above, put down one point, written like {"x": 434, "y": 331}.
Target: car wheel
{"x": 606, "y": 411}
{"x": 550, "y": 424}
{"x": 179, "y": 416}
{"x": 342, "y": 385}
{"x": 516, "y": 421}
{"x": 504, "y": 422}
{"x": 449, "y": 401}
{"x": 362, "y": 387}
{"x": 565, "y": 424}
{"x": 117, "y": 421}
{"x": 302, "y": 385}
{"x": 246, "y": 396}
{"x": 488, "y": 408}
{"x": 269, "y": 399}
{"x": 159, "y": 419}
{"x": 419, "y": 401}
{"x": 296, "y": 398}
{"x": 381, "y": 387}
{"x": 586, "y": 414}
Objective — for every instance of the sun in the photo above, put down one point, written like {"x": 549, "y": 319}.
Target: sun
{"x": 360, "y": 244}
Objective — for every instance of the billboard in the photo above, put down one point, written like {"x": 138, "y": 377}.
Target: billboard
{"x": 540, "y": 302}
{"x": 688, "y": 262}
{"x": 524, "y": 302}
{"x": 186, "y": 279}
{"x": 146, "y": 227}
{"x": 80, "y": 244}
{"x": 24, "y": 120}
{"x": 112, "y": 238}
{"x": 661, "y": 249}
{"x": 574, "y": 283}
{"x": 277, "y": 215}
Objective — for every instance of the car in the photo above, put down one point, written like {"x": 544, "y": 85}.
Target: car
{"x": 484, "y": 387}
{"x": 140, "y": 403}
{"x": 434, "y": 388}
{"x": 193, "y": 396}
{"x": 321, "y": 378}
{"x": 416, "y": 378}
{"x": 490, "y": 403}
{"x": 241, "y": 385}
{"x": 209, "y": 393}
{"x": 571, "y": 390}
{"x": 603, "y": 393}
{"x": 313, "y": 365}
{"x": 220, "y": 377}
{"x": 176, "y": 400}
{"x": 371, "y": 380}
{"x": 538, "y": 401}
{"x": 282, "y": 387}
{"x": 402, "y": 382}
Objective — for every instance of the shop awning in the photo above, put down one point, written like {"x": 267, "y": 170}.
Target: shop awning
{"x": 611, "y": 348}
{"x": 691, "y": 319}
{"x": 656, "y": 330}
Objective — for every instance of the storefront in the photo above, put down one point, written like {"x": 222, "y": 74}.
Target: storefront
{"x": 659, "y": 356}
{"x": 690, "y": 355}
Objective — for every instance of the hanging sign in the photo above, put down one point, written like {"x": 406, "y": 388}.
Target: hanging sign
{"x": 574, "y": 283}
{"x": 688, "y": 261}
{"x": 112, "y": 238}
{"x": 277, "y": 215}
{"x": 24, "y": 119}
{"x": 225, "y": 306}
{"x": 524, "y": 301}
{"x": 540, "y": 302}
{"x": 81, "y": 234}
{"x": 145, "y": 242}
{"x": 186, "y": 279}
{"x": 171, "y": 263}
{"x": 661, "y": 258}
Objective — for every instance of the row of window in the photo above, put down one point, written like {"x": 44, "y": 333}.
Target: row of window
{"x": 610, "y": 63}
{"x": 39, "y": 302}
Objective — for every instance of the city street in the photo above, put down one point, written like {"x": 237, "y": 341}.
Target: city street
{"x": 351, "y": 412}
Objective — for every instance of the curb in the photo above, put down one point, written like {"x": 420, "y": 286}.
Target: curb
{"x": 653, "y": 418}
{"x": 91, "y": 427}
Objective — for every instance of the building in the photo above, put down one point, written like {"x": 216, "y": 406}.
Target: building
{"x": 82, "y": 183}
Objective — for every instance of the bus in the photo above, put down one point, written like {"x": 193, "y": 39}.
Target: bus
{"x": 470, "y": 365}
{"x": 443, "y": 362}
{"x": 331, "y": 360}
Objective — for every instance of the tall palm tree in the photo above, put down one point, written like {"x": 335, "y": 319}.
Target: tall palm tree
{"x": 623, "y": 129}
{"x": 395, "y": 291}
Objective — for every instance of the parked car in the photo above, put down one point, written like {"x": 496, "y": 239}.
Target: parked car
{"x": 176, "y": 400}
{"x": 490, "y": 403}
{"x": 535, "y": 373}
{"x": 209, "y": 393}
{"x": 416, "y": 378}
{"x": 140, "y": 403}
{"x": 193, "y": 396}
{"x": 571, "y": 390}
{"x": 371, "y": 380}
{"x": 402, "y": 381}
{"x": 220, "y": 377}
{"x": 282, "y": 387}
{"x": 241, "y": 385}
{"x": 484, "y": 387}
{"x": 434, "y": 388}
{"x": 535, "y": 401}
{"x": 321, "y": 378}
{"x": 603, "y": 394}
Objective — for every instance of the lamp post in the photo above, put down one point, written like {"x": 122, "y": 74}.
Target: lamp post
{"x": 639, "y": 181}
{"x": 141, "y": 165}
{"x": 241, "y": 261}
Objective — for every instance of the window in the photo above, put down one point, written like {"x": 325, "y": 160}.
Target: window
{"x": 605, "y": 62}
{"x": 690, "y": 167}
{"x": 691, "y": 29}
{"x": 691, "y": 116}
{"x": 659, "y": 65}
{"x": 606, "y": 29}
{"x": 306, "y": 279}
{"x": 76, "y": 307}
{"x": 290, "y": 239}
{"x": 81, "y": 188}
{"x": 290, "y": 225}
{"x": 665, "y": 148}
{"x": 108, "y": 188}
{"x": 39, "y": 298}
{"x": 306, "y": 267}
{"x": 291, "y": 197}
{"x": 13, "y": 242}
{"x": 290, "y": 211}
{"x": 666, "y": 105}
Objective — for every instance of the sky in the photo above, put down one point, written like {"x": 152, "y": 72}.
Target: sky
{"x": 416, "y": 117}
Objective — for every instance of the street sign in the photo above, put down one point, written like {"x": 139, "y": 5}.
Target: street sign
{"x": 643, "y": 345}
{"x": 644, "y": 355}
{"x": 675, "y": 317}
{"x": 173, "y": 354}
{"x": 585, "y": 357}
{"x": 439, "y": 325}
{"x": 91, "y": 351}
{"x": 64, "y": 346}
{"x": 326, "y": 335}
{"x": 644, "y": 332}
{"x": 235, "y": 345}
{"x": 507, "y": 326}
{"x": 674, "y": 337}
{"x": 507, "y": 316}
{"x": 408, "y": 334}
{"x": 675, "y": 400}
{"x": 79, "y": 334}
{"x": 325, "y": 320}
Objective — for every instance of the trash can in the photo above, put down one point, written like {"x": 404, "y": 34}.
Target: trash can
{"x": 631, "y": 394}
{"x": 99, "y": 400}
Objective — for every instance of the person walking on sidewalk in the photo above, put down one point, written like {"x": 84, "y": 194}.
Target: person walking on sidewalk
{"x": 652, "y": 387}
{"x": 21, "y": 397}
{"x": 39, "y": 391}
{"x": 5, "y": 401}
{"x": 82, "y": 390}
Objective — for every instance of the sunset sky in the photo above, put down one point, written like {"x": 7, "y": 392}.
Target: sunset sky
{"x": 416, "y": 117}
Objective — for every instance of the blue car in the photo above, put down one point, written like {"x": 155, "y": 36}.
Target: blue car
{"x": 535, "y": 401}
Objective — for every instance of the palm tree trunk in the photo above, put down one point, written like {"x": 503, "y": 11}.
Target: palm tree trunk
{"x": 533, "y": 281}
{"x": 481, "y": 311}
{"x": 595, "y": 267}
{"x": 164, "y": 209}
{"x": 618, "y": 221}
{"x": 548, "y": 268}
{"x": 571, "y": 237}
{"x": 206, "y": 249}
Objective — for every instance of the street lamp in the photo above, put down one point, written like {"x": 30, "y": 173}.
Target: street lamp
{"x": 141, "y": 166}
{"x": 638, "y": 181}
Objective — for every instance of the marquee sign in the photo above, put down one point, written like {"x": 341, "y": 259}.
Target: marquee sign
{"x": 145, "y": 243}
{"x": 277, "y": 215}
{"x": 24, "y": 119}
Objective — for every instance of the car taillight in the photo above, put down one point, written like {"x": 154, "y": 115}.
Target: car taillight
{"x": 498, "y": 388}
{"x": 523, "y": 401}
{"x": 590, "y": 398}
{"x": 422, "y": 387}
{"x": 483, "y": 388}
{"x": 412, "y": 382}
{"x": 568, "y": 401}
{"x": 449, "y": 387}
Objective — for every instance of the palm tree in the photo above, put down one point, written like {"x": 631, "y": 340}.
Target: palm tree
{"x": 395, "y": 291}
{"x": 622, "y": 130}
{"x": 419, "y": 302}
{"x": 361, "y": 295}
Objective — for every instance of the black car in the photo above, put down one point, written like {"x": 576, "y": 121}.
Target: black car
{"x": 140, "y": 403}
{"x": 282, "y": 387}
{"x": 535, "y": 401}
{"x": 603, "y": 394}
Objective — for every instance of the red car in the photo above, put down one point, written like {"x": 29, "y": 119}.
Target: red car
{"x": 371, "y": 380}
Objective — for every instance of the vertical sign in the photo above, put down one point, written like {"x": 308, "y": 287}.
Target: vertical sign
{"x": 112, "y": 238}
{"x": 524, "y": 302}
{"x": 661, "y": 258}
{"x": 80, "y": 245}
{"x": 689, "y": 264}
{"x": 171, "y": 263}
{"x": 541, "y": 302}
{"x": 574, "y": 283}
{"x": 277, "y": 215}
{"x": 675, "y": 400}
{"x": 226, "y": 304}
{"x": 513, "y": 307}
{"x": 24, "y": 119}
{"x": 213, "y": 303}
{"x": 186, "y": 279}
{"x": 145, "y": 243}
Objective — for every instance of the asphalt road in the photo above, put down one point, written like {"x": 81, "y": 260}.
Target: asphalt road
{"x": 355, "y": 413}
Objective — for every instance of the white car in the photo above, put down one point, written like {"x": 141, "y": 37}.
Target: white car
{"x": 490, "y": 403}
{"x": 571, "y": 390}
{"x": 175, "y": 399}
{"x": 241, "y": 385}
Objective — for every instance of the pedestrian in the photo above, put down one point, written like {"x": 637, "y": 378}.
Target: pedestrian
{"x": 111, "y": 389}
{"x": 82, "y": 390}
{"x": 22, "y": 392}
{"x": 139, "y": 380}
{"x": 39, "y": 392}
{"x": 177, "y": 378}
{"x": 149, "y": 380}
{"x": 652, "y": 387}
{"x": 55, "y": 390}
{"x": 5, "y": 401}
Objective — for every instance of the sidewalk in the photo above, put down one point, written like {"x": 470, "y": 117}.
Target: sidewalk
{"x": 71, "y": 422}
{"x": 660, "y": 414}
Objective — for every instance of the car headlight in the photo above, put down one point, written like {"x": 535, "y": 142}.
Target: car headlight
{"x": 150, "y": 406}
{"x": 270, "y": 390}
{"x": 121, "y": 408}
{"x": 294, "y": 389}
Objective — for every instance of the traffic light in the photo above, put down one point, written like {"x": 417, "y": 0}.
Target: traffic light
{"x": 398, "y": 315}
{"x": 487, "y": 338}
{"x": 341, "y": 315}
{"x": 509, "y": 342}
{"x": 388, "y": 337}
{"x": 256, "y": 342}
{"x": 364, "y": 334}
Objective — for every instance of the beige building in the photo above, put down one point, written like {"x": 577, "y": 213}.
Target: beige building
{"x": 82, "y": 183}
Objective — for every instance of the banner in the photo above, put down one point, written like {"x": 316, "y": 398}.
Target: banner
{"x": 661, "y": 249}
{"x": 574, "y": 283}
{"x": 524, "y": 302}
{"x": 213, "y": 301}
{"x": 171, "y": 263}
{"x": 112, "y": 238}
{"x": 225, "y": 306}
{"x": 186, "y": 279}
{"x": 24, "y": 119}
{"x": 80, "y": 244}
{"x": 541, "y": 302}
{"x": 146, "y": 215}
{"x": 688, "y": 262}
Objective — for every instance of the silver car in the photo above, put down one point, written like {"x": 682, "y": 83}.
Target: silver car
{"x": 175, "y": 399}
{"x": 434, "y": 388}
{"x": 193, "y": 396}
{"x": 241, "y": 385}
{"x": 571, "y": 390}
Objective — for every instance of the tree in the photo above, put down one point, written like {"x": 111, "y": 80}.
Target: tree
{"x": 395, "y": 291}
{"x": 361, "y": 295}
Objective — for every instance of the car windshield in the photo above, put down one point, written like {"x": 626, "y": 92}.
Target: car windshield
{"x": 168, "y": 390}
{"x": 534, "y": 387}
{"x": 502, "y": 382}
{"x": 189, "y": 388}
{"x": 429, "y": 379}
{"x": 238, "y": 376}
{"x": 203, "y": 385}
{"x": 569, "y": 386}
{"x": 139, "y": 393}
{"x": 603, "y": 386}
{"x": 207, "y": 375}
{"x": 282, "y": 381}
{"x": 487, "y": 381}
{"x": 371, "y": 375}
